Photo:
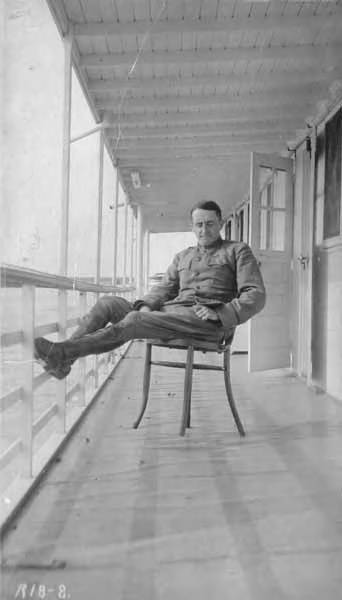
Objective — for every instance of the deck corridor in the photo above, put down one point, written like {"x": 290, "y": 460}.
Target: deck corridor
{"x": 147, "y": 515}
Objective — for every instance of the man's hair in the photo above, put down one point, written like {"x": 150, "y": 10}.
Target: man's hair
{"x": 207, "y": 205}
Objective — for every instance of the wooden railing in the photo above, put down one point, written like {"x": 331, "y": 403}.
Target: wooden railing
{"x": 20, "y": 462}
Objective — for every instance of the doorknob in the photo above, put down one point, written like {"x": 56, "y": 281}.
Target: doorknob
{"x": 303, "y": 260}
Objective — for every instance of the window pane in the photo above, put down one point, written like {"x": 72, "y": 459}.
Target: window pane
{"x": 264, "y": 235}
{"x": 279, "y": 189}
{"x": 278, "y": 231}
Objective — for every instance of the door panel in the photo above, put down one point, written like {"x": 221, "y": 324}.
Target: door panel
{"x": 271, "y": 242}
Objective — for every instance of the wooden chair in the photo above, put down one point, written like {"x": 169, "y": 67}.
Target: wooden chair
{"x": 190, "y": 346}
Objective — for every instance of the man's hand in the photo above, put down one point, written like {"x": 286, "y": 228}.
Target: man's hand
{"x": 145, "y": 308}
{"x": 205, "y": 313}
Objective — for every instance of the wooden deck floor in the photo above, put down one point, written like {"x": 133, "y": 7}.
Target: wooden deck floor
{"x": 147, "y": 515}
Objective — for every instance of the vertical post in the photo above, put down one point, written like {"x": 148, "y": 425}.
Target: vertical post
{"x": 132, "y": 278}
{"x": 28, "y": 302}
{"x": 83, "y": 360}
{"x": 99, "y": 231}
{"x": 115, "y": 241}
{"x": 125, "y": 244}
{"x": 64, "y": 232}
{"x": 140, "y": 254}
{"x": 99, "y": 209}
{"x": 312, "y": 212}
{"x": 66, "y": 156}
{"x": 147, "y": 259}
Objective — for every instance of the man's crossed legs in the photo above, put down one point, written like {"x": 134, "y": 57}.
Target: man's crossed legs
{"x": 95, "y": 336}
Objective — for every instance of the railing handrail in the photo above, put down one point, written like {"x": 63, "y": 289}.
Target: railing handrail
{"x": 13, "y": 276}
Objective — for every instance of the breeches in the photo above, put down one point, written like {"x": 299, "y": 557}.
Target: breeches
{"x": 172, "y": 321}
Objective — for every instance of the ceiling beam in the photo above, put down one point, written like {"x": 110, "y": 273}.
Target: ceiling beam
{"x": 163, "y": 161}
{"x": 210, "y": 129}
{"x": 310, "y": 86}
{"x": 166, "y": 167}
{"x": 180, "y": 57}
{"x": 307, "y": 75}
{"x": 202, "y": 153}
{"x": 227, "y": 115}
{"x": 205, "y": 141}
{"x": 238, "y": 101}
{"x": 313, "y": 23}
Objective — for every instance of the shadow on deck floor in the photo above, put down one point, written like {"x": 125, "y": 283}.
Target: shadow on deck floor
{"x": 147, "y": 515}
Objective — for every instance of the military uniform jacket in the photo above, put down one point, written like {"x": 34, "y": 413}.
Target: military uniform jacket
{"x": 225, "y": 277}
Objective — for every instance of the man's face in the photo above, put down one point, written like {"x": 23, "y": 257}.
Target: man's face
{"x": 206, "y": 226}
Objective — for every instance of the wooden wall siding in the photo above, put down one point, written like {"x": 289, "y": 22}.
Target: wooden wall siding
{"x": 327, "y": 320}
{"x": 327, "y": 293}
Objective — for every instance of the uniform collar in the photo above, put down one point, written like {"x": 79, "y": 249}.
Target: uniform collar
{"x": 208, "y": 249}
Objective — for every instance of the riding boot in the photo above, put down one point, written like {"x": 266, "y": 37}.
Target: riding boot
{"x": 107, "y": 309}
{"x": 55, "y": 356}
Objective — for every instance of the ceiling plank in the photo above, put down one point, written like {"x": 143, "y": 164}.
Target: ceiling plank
{"x": 315, "y": 75}
{"x": 180, "y": 57}
{"x": 217, "y": 128}
{"x": 238, "y": 101}
{"x": 201, "y": 152}
{"x": 230, "y": 115}
{"x": 205, "y": 141}
{"x": 251, "y": 23}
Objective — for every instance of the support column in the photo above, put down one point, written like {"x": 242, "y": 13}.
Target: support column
{"x": 99, "y": 232}
{"x": 125, "y": 243}
{"x": 115, "y": 241}
{"x": 140, "y": 253}
{"x": 99, "y": 209}
{"x": 133, "y": 245}
{"x": 64, "y": 231}
{"x": 147, "y": 259}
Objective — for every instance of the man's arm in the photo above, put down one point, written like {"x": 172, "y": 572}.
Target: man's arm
{"x": 251, "y": 294}
{"x": 166, "y": 290}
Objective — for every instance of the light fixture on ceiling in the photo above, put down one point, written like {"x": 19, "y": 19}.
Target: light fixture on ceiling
{"x": 136, "y": 179}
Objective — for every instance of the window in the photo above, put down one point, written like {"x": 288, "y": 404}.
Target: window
{"x": 332, "y": 182}
{"x": 272, "y": 209}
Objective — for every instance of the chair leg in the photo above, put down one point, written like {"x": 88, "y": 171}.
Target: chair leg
{"x": 227, "y": 382}
{"x": 146, "y": 384}
{"x": 187, "y": 390}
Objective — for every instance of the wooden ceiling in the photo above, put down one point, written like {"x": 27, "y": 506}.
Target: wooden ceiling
{"x": 188, "y": 88}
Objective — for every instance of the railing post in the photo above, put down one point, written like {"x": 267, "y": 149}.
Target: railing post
{"x": 83, "y": 360}
{"x": 28, "y": 310}
{"x": 61, "y": 386}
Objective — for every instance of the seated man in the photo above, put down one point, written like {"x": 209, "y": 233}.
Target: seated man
{"x": 206, "y": 291}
